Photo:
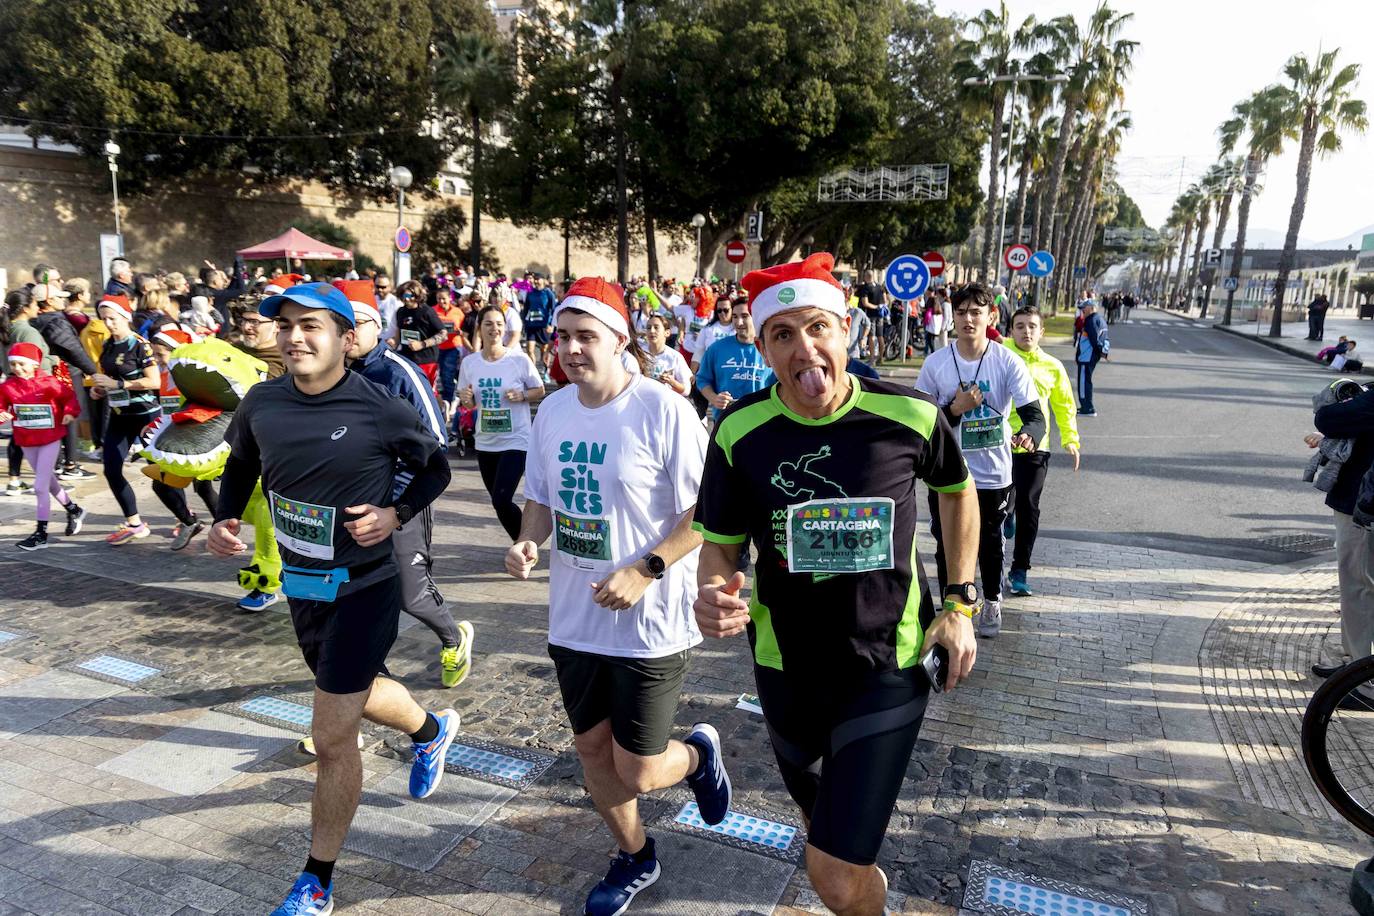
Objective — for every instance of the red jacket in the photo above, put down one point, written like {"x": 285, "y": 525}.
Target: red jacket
{"x": 37, "y": 405}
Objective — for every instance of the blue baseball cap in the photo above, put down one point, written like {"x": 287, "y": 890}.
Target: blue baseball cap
{"x": 312, "y": 296}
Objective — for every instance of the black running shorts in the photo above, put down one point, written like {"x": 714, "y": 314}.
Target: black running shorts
{"x": 345, "y": 642}
{"x": 843, "y": 750}
{"x": 639, "y": 695}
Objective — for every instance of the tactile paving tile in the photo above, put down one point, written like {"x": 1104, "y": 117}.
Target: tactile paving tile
{"x": 6, "y": 636}
{"x": 1001, "y": 892}
{"x": 392, "y": 826}
{"x": 506, "y": 766}
{"x": 35, "y": 701}
{"x": 744, "y": 830}
{"x": 209, "y": 750}
{"x": 276, "y": 709}
{"x": 702, "y": 877}
{"x": 118, "y": 669}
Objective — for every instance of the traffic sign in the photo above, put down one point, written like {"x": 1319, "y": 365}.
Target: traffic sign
{"x": 1212, "y": 257}
{"x": 1080, "y": 271}
{"x": 754, "y": 226}
{"x": 1040, "y": 264}
{"x": 402, "y": 239}
{"x": 906, "y": 277}
{"x": 1230, "y": 283}
{"x": 735, "y": 252}
{"x": 1016, "y": 256}
{"x": 935, "y": 262}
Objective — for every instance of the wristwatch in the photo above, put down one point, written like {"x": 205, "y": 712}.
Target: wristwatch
{"x": 961, "y": 597}
{"x": 654, "y": 563}
{"x": 404, "y": 514}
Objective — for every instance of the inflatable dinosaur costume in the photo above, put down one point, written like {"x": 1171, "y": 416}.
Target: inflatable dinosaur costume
{"x": 188, "y": 444}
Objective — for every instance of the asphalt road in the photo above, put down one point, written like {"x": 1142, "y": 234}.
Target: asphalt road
{"x": 1197, "y": 445}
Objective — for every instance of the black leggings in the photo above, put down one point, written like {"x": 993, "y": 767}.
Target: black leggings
{"x": 15, "y": 456}
{"x": 174, "y": 498}
{"x": 843, "y": 750}
{"x": 121, "y": 432}
{"x": 501, "y": 473}
{"x": 1028, "y": 470}
{"x": 993, "y": 506}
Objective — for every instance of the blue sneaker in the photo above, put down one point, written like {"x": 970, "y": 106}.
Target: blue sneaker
{"x": 710, "y": 783}
{"x": 626, "y": 877}
{"x": 1009, "y": 527}
{"x": 257, "y": 600}
{"x": 307, "y": 898}
{"x": 1017, "y": 584}
{"x": 428, "y": 768}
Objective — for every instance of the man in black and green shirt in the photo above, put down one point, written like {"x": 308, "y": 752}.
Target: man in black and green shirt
{"x": 820, "y": 471}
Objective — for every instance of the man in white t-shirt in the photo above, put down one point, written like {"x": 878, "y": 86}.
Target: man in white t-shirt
{"x": 978, "y": 385}
{"x": 612, "y": 473}
{"x": 387, "y": 304}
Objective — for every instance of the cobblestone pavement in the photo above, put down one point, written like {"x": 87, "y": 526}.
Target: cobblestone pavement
{"x": 1132, "y": 732}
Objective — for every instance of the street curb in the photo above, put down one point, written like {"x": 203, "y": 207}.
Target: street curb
{"x": 1277, "y": 345}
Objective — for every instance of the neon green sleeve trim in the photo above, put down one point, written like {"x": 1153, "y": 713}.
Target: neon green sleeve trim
{"x": 954, "y": 487}
{"x": 718, "y": 538}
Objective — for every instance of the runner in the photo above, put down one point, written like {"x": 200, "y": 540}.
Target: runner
{"x": 40, "y": 407}
{"x": 419, "y": 330}
{"x": 411, "y": 544}
{"x": 733, "y": 367}
{"x": 665, "y": 364}
{"x": 719, "y": 328}
{"x": 169, "y": 401}
{"x": 1028, "y": 468}
{"x": 500, "y": 384}
{"x": 326, "y": 443}
{"x": 840, "y": 615}
{"x": 451, "y": 348}
{"x": 614, "y": 471}
{"x": 977, "y": 385}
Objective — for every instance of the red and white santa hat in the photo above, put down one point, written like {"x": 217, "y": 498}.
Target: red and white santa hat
{"x": 602, "y": 300}
{"x": 361, "y": 296}
{"x": 173, "y": 337}
{"x": 26, "y": 353}
{"x": 281, "y": 283}
{"x": 798, "y": 285}
{"x": 120, "y": 302}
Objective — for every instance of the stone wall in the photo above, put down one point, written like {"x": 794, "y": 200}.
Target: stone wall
{"x": 54, "y": 206}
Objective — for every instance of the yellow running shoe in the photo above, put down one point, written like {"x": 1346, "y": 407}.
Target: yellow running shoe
{"x": 455, "y": 661}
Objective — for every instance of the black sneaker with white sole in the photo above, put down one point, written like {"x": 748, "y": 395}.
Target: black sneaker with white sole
{"x": 76, "y": 517}
{"x": 710, "y": 783}
{"x": 36, "y": 541}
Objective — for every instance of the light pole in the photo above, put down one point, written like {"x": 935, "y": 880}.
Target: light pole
{"x": 400, "y": 180}
{"x": 697, "y": 222}
{"x": 111, "y": 154}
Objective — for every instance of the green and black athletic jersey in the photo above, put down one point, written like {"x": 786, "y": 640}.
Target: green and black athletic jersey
{"x": 845, "y": 486}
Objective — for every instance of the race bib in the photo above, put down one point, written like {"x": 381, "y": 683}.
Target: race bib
{"x": 840, "y": 535}
{"x": 988, "y": 432}
{"x": 448, "y": 327}
{"x": 118, "y": 399}
{"x": 495, "y": 421}
{"x": 696, "y": 325}
{"x": 407, "y": 335}
{"x": 304, "y": 528}
{"x": 171, "y": 403}
{"x": 33, "y": 416}
{"x": 583, "y": 543}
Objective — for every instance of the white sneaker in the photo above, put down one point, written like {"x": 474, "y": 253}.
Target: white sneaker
{"x": 990, "y": 619}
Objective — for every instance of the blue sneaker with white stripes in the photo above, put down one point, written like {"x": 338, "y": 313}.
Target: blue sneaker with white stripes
{"x": 428, "y": 768}
{"x": 627, "y": 876}
{"x": 710, "y": 783}
{"x": 307, "y": 898}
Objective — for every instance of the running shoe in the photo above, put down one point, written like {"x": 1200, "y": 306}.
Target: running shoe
{"x": 990, "y": 619}
{"x": 1017, "y": 584}
{"x": 455, "y": 661}
{"x": 127, "y": 533}
{"x": 18, "y": 488}
{"x": 428, "y": 769}
{"x": 307, "y": 898}
{"x": 626, "y": 877}
{"x": 710, "y": 783}
{"x": 94, "y": 453}
{"x": 257, "y": 600}
{"x": 76, "y": 517}
{"x": 1087, "y": 413}
{"x": 74, "y": 472}
{"x": 1009, "y": 527}
{"x": 185, "y": 533}
{"x": 36, "y": 541}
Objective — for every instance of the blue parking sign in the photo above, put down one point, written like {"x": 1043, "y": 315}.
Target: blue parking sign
{"x": 906, "y": 277}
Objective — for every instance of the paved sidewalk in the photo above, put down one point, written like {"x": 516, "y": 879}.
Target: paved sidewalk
{"x": 1132, "y": 733}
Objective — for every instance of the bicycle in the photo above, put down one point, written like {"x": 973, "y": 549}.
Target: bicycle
{"x": 1338, "y": 742}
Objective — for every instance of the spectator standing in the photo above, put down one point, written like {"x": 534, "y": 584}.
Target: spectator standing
{"x": 121, "y": 281}
{"x": 1092, "y": 347}
{"x": 1316, "y": 317}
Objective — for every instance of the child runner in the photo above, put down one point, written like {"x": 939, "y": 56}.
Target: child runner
{"x": 665, "y": 365}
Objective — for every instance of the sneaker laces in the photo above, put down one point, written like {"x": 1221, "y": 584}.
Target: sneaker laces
{"x": 624, "y": 869}
{"x": 448, "y": 656}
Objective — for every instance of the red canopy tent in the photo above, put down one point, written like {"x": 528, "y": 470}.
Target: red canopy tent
{"x": 294, "y": 243}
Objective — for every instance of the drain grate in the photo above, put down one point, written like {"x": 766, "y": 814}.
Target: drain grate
{"x": 1001, "y": 892}
{"x": 1299, "y": 543}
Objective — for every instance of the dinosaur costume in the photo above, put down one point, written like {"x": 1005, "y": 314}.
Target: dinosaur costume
{"x": 188, "y": 445}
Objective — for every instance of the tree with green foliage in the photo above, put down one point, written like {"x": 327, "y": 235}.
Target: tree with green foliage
{"x": 441, "y": 237}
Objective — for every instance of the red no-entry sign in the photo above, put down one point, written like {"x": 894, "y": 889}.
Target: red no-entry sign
{"x": 735, "y": 252}
{"x": 935, "y": 261}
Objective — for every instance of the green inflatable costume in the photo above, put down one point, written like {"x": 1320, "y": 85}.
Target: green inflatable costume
{"x": 188, "y": 444}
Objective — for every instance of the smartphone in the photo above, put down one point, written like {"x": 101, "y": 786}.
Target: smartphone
{"x": 936, "y": 665}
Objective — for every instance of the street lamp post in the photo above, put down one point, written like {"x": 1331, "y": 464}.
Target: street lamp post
{"x": 111, "y": 154}
{"x": 400, "y": 180}
{"x": 697, "y": 222}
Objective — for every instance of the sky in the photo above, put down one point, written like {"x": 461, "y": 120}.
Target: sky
{"x": 1196, "y": 59}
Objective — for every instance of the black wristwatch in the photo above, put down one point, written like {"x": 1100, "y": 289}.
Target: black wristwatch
{"x": 404, "y": 514}
{"x": 963, "y": 592}
{"x": 655, "y": 564}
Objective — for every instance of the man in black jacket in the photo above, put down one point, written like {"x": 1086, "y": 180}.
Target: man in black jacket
{"x": 1352, "y": 419}
{"x": 64, "y": 345}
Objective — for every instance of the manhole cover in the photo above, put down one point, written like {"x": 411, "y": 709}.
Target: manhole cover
{"x": 1299, "y": 543}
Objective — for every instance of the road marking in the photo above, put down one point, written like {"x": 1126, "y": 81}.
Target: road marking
{"x": 1157, "y": 436}
{"x": 1173, "y": 340}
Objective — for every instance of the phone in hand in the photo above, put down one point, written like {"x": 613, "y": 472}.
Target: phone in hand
{"x": 936, "y": 665}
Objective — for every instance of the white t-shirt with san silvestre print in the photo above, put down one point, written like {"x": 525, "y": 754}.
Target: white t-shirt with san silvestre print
{"x": 616, "y": 479}
{"x": 671, "y": 362}
{"x": 984, "y": 433}
{"x": 502, "y": 424}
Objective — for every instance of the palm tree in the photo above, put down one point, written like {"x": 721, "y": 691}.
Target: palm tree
{"x": 1319, "y": 104}
{"x": 1258, "y": 121}
{"x": 473, "y": 81}
{"x": 1209, "y": 192}
{"x": 1230, "y": 172}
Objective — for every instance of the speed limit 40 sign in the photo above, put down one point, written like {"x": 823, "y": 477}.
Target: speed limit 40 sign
{"x": 1016, "y": 256}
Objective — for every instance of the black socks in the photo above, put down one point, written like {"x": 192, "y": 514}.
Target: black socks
{"x": 428, "y": 732}
{"x": 646, "y": 853}
{"x": 324, "y": 871}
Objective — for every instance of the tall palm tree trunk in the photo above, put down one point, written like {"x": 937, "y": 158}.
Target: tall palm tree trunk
{"x": 1242, "y": 225}
{"x": 1197, "y": 252}
{"x": 622, "y": 203}
{"x": 1223, "y": 215}
{"x": 990, "y": 215}
{"x": 567, "y": 251}
{"x": 1022, "y": 182}
{"x": 476, "y": 253}
{"x": 1183, "y": 262}
{"x": 1290, "y": 243}
{"x": 650, "y": 243}
{"x": 1045, "y": 234}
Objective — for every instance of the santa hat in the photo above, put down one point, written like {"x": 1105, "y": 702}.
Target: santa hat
{"x": 26, "y": 353}
{"x": 120, "y": 302}
{"x": 798, "y": 285}
{"x": 602, "y": 300}
{"x": 281, "y": 283}
{"x": 361, "y": 296}
{"x": 173, "y": 337}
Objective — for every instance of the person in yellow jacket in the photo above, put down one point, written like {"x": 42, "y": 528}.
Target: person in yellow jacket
{"x": 1028, "y": 469}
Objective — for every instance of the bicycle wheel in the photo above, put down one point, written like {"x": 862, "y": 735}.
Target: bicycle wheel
{"x": 1338, "y": 742}
{"x": 893, "y": 348}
